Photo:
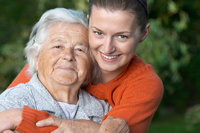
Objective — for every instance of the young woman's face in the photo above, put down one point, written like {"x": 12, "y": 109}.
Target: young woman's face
{"x": 113, "y": 38}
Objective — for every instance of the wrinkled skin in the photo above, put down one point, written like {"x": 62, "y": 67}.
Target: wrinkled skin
{"x": 109, "y": 125}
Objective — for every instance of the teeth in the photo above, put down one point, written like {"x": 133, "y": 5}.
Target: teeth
{"x": 109, "y": 57}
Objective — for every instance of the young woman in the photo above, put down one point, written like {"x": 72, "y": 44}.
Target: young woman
{"x": 130, "y": 85}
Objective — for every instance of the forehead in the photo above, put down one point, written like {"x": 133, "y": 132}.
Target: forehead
{"x": 119, "y": 18}
{"x": 76, "y": 32}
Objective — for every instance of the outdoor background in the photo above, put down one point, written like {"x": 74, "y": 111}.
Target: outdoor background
{"x": 172, "y": 48}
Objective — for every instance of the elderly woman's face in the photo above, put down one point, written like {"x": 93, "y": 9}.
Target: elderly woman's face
{"x": 64, "y": 57}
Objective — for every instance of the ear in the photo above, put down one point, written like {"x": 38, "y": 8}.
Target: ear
{"x": 145, "y": 33}
{"x": 36, "y": 62}
{"x": 87, "y": 16}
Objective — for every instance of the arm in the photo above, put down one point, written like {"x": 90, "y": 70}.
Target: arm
{"x": 9, "y": 119}
{"x": 14, "y": 120}
{"x": 110, "y": 125}
{"x": 31, "y": 116}
{"x": 138, "y": 102}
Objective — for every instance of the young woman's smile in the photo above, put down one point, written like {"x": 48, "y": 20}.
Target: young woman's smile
{"x": 109, "y": 58}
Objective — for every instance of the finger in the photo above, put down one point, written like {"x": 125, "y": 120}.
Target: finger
{"x": 15, "y": 131}
{"x": 110, "y": 117}
{"x": 122, "y": 125}
{"x": 121, "y": 122}
{"x": 125, "y": 129}
{"x": 8, "y": 131}
{"x": 53, "y": 121}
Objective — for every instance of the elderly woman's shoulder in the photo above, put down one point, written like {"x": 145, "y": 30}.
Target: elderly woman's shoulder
{"x": 20, "y": 89}
{"x": 16, "y": 97}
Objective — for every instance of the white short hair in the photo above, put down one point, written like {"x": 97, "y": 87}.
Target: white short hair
{"x": 39, "y": 31}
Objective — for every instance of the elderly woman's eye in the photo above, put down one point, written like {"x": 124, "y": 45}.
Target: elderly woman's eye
{"x": 57, "y": 46}
{"x": 80, "y": 50}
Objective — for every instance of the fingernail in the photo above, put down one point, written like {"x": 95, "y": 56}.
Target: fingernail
{"x": 38, "y": 124}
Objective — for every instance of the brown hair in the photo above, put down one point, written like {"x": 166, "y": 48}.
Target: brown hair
{"x": 137, "y": 7}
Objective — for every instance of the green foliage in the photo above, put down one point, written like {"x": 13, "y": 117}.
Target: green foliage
{"x": 168, "y": 124}
{"x": 12, "y": 61}
{"x": 192, "y": 119}
{"x": 163, "y": 49}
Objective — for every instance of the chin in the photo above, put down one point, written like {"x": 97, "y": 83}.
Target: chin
{"x": 109, "y": 68}
{"x": 66, "y": 81}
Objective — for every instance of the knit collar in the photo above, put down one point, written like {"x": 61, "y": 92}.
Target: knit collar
{"x": 84, "y": 102}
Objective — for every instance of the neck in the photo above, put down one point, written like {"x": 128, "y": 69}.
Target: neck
{"x": 107, "y": 76}
{"x": 61, "y": 93}
{"x": 64, "y": 95}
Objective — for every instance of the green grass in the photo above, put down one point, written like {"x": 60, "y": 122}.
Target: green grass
{"x": 170, "y": 124}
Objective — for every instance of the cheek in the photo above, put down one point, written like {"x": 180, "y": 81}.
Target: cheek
{"x": 93, "y": 42}
{"x": 42, "y": 65}
{"x": 47, "y": 61}
{"x": 128, "y": 48}
{"x": 83, "y": 66}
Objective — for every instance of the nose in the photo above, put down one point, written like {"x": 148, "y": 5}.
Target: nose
{"x": 108, "y": 46}
{"x": 68, "y": 54}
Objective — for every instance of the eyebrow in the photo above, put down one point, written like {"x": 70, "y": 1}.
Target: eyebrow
{"x": 121, "y": 32}
{"x": 96, "y": 28}
{"x": 81, "y": 44}
{"x": 57, "y": 39}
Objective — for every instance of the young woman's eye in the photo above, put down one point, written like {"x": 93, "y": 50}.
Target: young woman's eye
{"x": 123, "y": 36}
{"x": 98, "y": 33}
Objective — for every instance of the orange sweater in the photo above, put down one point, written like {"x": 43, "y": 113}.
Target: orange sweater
{"x": 28, "y": 126}
{"x": 134, "y": 95}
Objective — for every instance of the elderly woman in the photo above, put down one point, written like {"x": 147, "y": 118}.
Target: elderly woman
{"x": 59, "y": 63}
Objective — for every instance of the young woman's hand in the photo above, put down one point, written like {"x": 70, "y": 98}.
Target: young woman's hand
{"x": 114, "y": 125}
{"x": 10, "y": 119}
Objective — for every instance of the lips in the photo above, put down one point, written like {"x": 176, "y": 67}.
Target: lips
{"x": 110, "y": 58}
{"x": 65, "y": 68}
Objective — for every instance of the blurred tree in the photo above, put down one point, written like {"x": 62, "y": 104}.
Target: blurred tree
{"x": 14, "y": 24}
{"x": 172, "y": 47}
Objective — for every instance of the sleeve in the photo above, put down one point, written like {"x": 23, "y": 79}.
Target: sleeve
{"x": 29, "y": 119}
{"x": 22, "y": 77}
{"x": 138, "y": 103}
